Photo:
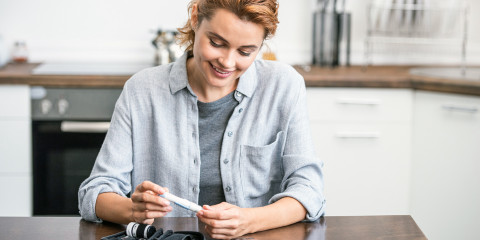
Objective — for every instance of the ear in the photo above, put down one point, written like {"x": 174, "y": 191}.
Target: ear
{"x": 194, "y": 17}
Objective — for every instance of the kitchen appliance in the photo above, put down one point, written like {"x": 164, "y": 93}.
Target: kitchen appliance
{"x": 167, "y": 50}
{"x": 68, "y": 129}
{"x": 331, "y": 34}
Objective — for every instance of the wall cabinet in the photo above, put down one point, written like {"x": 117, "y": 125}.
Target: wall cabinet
{"x": 446, "y": 160}
{"x": 363, "y": 136}
{"x": 15, "y": 151}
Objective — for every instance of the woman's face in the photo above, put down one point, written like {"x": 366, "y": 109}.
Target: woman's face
{"x": 225, "y": 46}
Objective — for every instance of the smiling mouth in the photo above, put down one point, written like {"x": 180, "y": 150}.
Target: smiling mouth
{"x": 220, "y": 71}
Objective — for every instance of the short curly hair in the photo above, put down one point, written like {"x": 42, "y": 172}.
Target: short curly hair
{"x": 263, "y": 12}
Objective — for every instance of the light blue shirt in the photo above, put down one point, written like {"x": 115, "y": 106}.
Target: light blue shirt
{"x": 267, "y": 151}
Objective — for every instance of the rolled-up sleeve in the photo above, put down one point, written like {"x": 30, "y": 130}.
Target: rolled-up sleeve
{"x": 113, "y": 166}
{"x": 303, "y": 177}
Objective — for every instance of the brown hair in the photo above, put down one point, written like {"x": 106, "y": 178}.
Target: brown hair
{"x": 263, "y": 12}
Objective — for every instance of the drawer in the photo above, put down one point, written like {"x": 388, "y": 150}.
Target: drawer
{"x": 364, "y": 105}
{"x": 365, "y": 165}
{"x": 14, "y": 101}
{"x": 447, "y": 107}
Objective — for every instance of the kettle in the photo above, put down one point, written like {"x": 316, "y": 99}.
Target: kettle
{"x": 167, "y": 50}
{"x": 3, "y": 52}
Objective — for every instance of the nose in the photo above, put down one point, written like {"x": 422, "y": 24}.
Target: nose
{"x": 227, "y": 61}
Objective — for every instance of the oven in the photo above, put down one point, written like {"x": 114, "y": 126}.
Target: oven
{"x": 68, "y": 128}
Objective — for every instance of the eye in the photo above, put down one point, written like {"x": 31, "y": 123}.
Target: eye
{"x": 246, "y": 54}
{"x": 213, "y": 43}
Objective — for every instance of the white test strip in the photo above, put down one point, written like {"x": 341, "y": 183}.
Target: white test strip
{"x": 184, "y": 203}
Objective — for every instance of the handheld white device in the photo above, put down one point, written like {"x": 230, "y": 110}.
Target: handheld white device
{"x": 184, "y": 203}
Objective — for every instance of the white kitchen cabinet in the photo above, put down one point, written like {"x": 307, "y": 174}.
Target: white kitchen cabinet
{"x": 15, "y": 151}
{"x": 446, "y": 164}
{"x": 364, "y": 138}
{"x": 17, "y": 196}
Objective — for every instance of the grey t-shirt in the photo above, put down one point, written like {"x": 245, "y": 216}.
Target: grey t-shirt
{"x": 212, "y": 122}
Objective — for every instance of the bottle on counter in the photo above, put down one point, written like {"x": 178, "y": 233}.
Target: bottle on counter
{"x": 20, "y": 52}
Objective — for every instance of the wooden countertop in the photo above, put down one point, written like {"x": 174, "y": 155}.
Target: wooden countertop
{"x": 385, "y": 77}
{"x": 354, "y": 76}
{"x": 21, "y": 73}
{"x": 331, "y": 228}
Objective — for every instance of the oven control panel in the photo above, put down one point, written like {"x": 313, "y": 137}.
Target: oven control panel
{"x": 73, "y": 103}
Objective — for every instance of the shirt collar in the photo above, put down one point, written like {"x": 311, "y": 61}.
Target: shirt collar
{"x": 178, "y": 78}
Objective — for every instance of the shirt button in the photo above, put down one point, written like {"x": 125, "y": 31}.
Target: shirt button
{"x": 240, "y": 110}
{"x": 194, "y": 189}
{"x": 193, "y": 134}
{"x": 230, "y": 133}
{"x": 239, "y": 94}
{"x": 228, "y": 189}
{"x": 226, "y": 161}
{"x": 195, "y": 161}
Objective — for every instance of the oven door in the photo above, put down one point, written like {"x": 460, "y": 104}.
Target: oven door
{"x": 63, "y": 156}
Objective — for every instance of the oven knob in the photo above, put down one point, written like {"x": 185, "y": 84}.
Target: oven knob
{"x": 62, "y": 106}
{"x": 45, "y": 106}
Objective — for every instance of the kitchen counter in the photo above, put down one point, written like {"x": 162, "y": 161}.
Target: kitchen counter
{"x": 354, "y": 76}
{"x": 21, "y": 73}
{"x": 384, "y": 77}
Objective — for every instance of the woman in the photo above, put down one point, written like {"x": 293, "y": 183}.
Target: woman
{"x": 216, "y": 127}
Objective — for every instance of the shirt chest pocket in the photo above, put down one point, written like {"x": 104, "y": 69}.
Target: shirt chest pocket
{"x": 261, "y": 169}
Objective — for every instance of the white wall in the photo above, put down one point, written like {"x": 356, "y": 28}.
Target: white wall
{"x": 119, "y": 30}
{"x": 88, "y": 30}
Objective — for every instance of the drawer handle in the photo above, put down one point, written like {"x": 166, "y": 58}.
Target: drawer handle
{"x": 359, "y": 101}
{"x": 368, "y": 135}
{"x": 84, "y": 127}
{"x": 460, "y": 108}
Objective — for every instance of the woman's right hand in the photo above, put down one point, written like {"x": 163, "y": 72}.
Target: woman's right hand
{"x": 147, "y": 205}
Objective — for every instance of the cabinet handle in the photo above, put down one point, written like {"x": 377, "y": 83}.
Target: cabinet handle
{"x": 84, "y": 127}
{"x": 359, "y": 101}
{"x": 460, "y": 108}
{"x": 348, "y": 134}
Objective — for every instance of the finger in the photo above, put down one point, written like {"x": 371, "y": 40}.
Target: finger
{"x": 220, "y": 224}
{"x": 219, "y": 214}
{"x": 151, "y": 207}
{"x": 220, "y": 206}
{"x": 149, "y": 198}
{"x": 147, "y": 185}
{"x": 220, "y": 234}
{"x": 146, "y": 215}
{"x": 221, "y": 231}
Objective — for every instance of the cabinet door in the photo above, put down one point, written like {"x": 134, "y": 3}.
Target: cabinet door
{"x": 15, "y": 145}
{"x": 446, "y": 164}
{"x": 14, "y": 101}
{"x": 367, "y": 167}
{"x": 15, "y": 151}
{"x": 16, "y": 195}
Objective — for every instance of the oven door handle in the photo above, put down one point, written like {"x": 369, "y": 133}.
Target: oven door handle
{"x": 84, "y": 127}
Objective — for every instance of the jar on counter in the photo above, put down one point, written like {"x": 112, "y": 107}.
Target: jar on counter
{"x": 20, "y": 52}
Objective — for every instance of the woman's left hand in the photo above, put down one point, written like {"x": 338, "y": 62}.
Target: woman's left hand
{"x": 226, "y": 221}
